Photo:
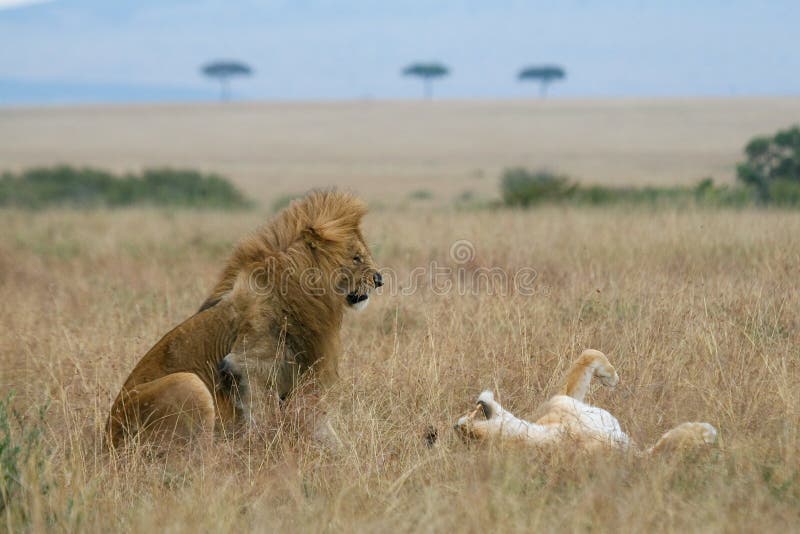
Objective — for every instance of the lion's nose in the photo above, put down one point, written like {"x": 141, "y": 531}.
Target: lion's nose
{"x": 378, "y": 279}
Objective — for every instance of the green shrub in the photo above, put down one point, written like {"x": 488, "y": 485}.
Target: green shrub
{"x": 420, "y": 194}
{"x": 773, "y": 164}
{"x": 72, "y": 187}
{"x": 706, "y": 193}
{"x": 600, "y": 195}
{"x": 784, "y": 192}
{"x": 520, "y": 187}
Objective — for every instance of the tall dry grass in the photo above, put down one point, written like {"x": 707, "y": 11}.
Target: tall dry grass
{"x": 699, "y": 311}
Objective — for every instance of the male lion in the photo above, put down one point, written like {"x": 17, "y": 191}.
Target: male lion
{"x": 273, "y": 317}
{"x": 566, "y": 420}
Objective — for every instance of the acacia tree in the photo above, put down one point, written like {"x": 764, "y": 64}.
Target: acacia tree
{"x": 224, "y": 71}
{"x": 544, "y": 74}
{"x": 773, "y": 166}
{"x": 427, "y": 72}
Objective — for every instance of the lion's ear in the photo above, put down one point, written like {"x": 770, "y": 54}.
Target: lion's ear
{"x": 312, "y": 237}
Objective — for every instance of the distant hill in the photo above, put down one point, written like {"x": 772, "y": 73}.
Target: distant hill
{"x": 19, "y": 92}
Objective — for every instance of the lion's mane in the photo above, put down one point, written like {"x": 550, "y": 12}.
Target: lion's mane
{"x": 313, "y": 235}
{"x": 326, "y": 218}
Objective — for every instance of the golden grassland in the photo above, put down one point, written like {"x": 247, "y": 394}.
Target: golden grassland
{"x": 698, "y": 310}
{"x": 388, "y": 149}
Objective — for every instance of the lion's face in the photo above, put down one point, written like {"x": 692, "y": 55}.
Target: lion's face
{"x": 358, "y": 275}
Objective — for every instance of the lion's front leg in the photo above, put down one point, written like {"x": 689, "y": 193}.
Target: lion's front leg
{"x": 233, "y": 385}
{"x": 307, "y": 411}
{"x": 307, "y": 403}
{"x": 249, "y": 378}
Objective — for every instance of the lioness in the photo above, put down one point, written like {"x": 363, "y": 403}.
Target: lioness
{"x": 565, "y": 420}
{"x": 273, "y": 317}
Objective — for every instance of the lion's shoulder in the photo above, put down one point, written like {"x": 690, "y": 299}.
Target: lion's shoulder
{"x": 203, "y": 337}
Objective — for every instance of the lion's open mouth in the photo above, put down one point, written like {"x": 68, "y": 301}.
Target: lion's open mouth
{"x": 358, "y": 301}
{"x": 355, "y": 298}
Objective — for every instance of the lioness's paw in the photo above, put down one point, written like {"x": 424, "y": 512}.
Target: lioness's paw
{"x": 703, "y": 433}
{"x": 603, "y": 370}
{"x": 686, "y": 437}
{"x": 607, "y": 375}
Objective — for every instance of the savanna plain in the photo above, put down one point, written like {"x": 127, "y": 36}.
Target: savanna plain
{"x": 698, "y": 309}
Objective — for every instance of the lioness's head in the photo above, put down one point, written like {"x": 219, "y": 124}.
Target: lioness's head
{"x": 474, "y": 425}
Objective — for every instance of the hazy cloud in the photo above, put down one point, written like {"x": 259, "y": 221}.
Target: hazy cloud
{"x": 10, "y": 4}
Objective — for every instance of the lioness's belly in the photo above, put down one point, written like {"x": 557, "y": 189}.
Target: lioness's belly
{"x": 589, "y": 420}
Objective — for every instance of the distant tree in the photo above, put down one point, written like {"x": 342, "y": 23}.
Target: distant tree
{"x": 428, "y": 72}
{"x": 544, "y": 74}
{"x": 224, "y": 71}
{"x": 773, "y": 165}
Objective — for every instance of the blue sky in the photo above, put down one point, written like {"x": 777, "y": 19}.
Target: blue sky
{"x": 111, "y": 50}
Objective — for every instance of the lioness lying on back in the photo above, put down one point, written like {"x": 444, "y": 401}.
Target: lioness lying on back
{"x": 567, "y": 419}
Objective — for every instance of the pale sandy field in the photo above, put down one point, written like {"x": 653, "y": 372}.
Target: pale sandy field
{"x": 698, "y": 309}
{"x": 386, "y": 149}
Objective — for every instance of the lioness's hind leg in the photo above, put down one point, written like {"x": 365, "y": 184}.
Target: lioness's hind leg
{"x": 685, "y": 437}
{"x": 590, "y": 363}
{"x": 174, "y": 409}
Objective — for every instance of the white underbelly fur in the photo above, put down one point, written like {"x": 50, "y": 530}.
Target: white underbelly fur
{"x": 593, "y": 420}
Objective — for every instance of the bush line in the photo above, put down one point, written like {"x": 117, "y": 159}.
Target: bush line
{"x": 87, "y": 188}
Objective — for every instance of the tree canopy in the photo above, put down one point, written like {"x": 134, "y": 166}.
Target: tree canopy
{"x": 544, "y": 74}
{"x": 224, "y": 70}
{"x": 773, "y": 164}
{"x": 427, "y": 72}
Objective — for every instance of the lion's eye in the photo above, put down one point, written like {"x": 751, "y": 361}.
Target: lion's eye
{"x": 357, "y": 259}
